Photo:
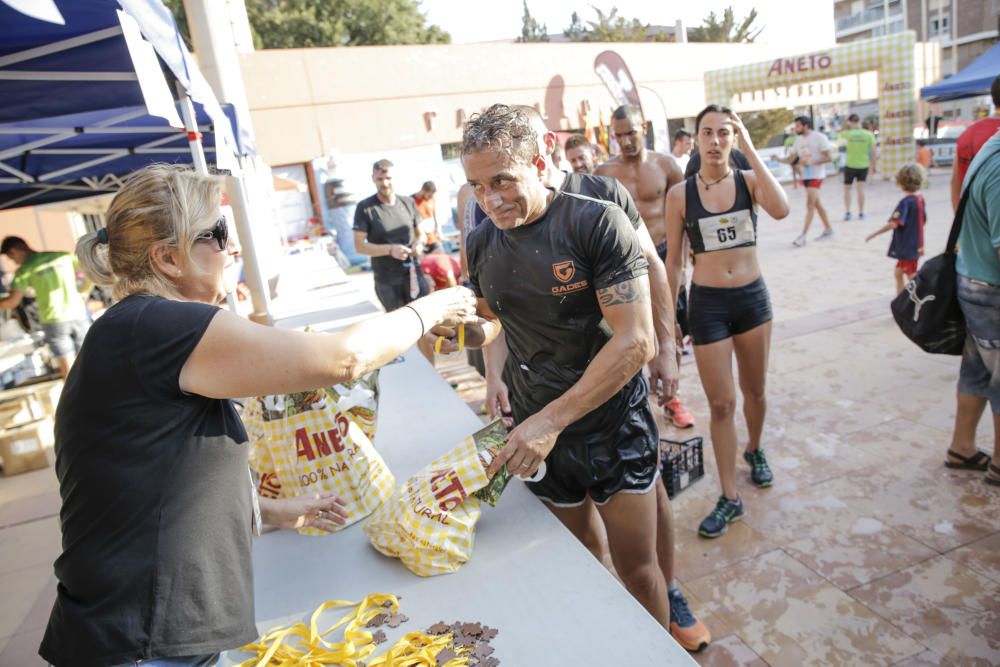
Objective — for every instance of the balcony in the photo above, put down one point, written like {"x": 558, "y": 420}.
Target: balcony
{"x": 866, "y": 20}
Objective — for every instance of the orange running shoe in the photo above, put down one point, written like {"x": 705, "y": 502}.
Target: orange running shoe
{"x": 685, "y": 627}
{"x": 679, "y": 415}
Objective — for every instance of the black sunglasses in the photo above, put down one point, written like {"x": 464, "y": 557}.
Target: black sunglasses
{"x": 219, "y": 232}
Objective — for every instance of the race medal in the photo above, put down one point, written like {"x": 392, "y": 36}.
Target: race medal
{"x": 728, "y": 230}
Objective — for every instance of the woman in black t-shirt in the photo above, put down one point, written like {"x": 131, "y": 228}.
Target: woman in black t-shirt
{"x": 729, "y": 310}
{"x": 158, "y": 503}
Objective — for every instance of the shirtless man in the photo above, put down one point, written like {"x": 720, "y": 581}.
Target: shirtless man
{"x": 647, "y": 176}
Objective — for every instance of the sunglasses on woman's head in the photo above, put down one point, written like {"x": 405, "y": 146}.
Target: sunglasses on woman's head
{"x": 219, "y": 232}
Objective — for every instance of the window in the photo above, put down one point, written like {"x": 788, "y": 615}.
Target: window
{"x": 939, "y": 25}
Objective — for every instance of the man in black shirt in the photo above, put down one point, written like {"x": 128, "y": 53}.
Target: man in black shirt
{"x": 566, "y": 278}
{"x": 387, "y": 228}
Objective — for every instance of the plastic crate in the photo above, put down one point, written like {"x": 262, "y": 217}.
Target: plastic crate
{"x": 681, "y": 464}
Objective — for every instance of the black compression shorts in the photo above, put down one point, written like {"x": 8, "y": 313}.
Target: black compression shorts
{"x": 626, "y": 462}
{"x": 718, "y": 313}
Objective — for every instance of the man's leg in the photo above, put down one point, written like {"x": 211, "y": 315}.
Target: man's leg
{"x": 861, "y": 199}
{"x": 820, "y": 210}
{"x": 810, "y": 209}
{"x": 630, "y": 519}
{"x": 847, "y": 200}
{"x": 664, "y": 532}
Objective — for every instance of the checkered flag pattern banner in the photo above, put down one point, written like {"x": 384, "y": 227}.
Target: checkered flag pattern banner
{"x": 430, "y": 522}
{"x": 891, "y": 56}
{"x": 313, "y": 451}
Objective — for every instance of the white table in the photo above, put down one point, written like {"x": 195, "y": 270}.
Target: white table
{"x": 528, "y": 576}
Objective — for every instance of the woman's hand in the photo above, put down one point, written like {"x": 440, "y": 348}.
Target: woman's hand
{"x": 740, "y": 130}
{"x": 447, "y": 307}
{"x": 325, "y": 511}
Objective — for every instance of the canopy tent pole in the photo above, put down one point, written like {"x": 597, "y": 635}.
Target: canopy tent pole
{"x": 193, "y": 134}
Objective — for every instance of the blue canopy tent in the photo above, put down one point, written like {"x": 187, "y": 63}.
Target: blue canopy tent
{"x": 88, "y": 153}
{"x": 95, "y": 81}
{"x": 974, "y": 79}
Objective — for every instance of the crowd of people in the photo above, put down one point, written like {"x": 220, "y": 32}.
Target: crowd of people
{"x": 577, "y": 298}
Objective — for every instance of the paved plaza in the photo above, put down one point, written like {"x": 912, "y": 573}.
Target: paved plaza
{"x": 866, "y": 551}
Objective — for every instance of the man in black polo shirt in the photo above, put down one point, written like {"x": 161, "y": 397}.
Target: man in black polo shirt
{"x": 387, "y": 229}
{"x": 565, "y": 277}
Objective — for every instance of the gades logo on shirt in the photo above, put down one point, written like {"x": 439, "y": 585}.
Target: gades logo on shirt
{"x": 564, "y": 272}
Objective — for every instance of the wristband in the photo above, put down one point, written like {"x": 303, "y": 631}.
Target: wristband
{"x": 461, "y": 340}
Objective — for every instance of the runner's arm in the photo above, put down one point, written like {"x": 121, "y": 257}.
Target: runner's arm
{"x": 12, "y": 300}
{"x": 674, "y": 215}
{"x": 483, "y": 332}
{"x": 765, "y": 187}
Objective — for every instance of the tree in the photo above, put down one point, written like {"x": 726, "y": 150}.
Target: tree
{"x": 531, "y": 30}
{"x": 764, "y": 126}
{"x": 726, "y": 30}
{"x": 296, "y": 24}
{"x": 610, "y": 27}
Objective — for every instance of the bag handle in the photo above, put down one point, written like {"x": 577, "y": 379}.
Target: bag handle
{"x": 956, "y": 225}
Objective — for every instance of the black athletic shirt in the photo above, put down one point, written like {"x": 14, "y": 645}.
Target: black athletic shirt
{"x": 733, "y": 228}
{"x": 156, "y": 498}
{"x": 382, "y": 223}
{"x": 541, "y": 280}
{"x": 603, "y": 188}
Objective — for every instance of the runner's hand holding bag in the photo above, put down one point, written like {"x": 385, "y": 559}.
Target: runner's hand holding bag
{"x": 927, "y": 309}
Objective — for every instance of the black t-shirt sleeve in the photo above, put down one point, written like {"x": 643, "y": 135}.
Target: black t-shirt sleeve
{"x": 169, "y": 331}
{"x": 693, "y": 165}
{"x": 411, "y": 210}
{"x": 627, "y": 204}
{"x": 362, "y": 223}
{"x": 614, "y": 249}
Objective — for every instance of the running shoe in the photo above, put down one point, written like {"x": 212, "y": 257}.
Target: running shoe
{"x": 678, "y": 414}
{"x": 861, "y": 216}
{"x": 760, "y": 472}
{"x": 718, "y": 521}
{"x": 847, "y": 216}
{"x": 800, "y": 241}
{"x": 827, "y": 233}
{"x": 686, "y": 628}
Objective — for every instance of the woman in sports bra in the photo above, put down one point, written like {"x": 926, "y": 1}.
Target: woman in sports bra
{"x": 729, "y": 310}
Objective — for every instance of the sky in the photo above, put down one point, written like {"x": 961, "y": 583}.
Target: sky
{"x": 471, "y": 21}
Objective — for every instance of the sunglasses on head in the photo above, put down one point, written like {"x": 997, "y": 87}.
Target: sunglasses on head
{"x": 219, "y": 232}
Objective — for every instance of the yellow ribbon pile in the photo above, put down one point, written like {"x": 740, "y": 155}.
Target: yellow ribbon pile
{"x": 312, "y": 649}
{"x": 442, "y": 339}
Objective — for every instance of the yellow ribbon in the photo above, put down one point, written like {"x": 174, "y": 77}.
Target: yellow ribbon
{"x": 442, "y": 339}
{"x": 312, "y": 649}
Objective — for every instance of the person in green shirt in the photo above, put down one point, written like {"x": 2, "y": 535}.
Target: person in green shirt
{"x": 52, "y": 277}
{"x": 860, "y": 156}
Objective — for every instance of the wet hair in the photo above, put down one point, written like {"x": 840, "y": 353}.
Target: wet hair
{"x": 681, "y": 134}
{"x": 577, "y": 141}
{"x": 11, "y": 242}
{"x": 804, "y": 120}
{"x": 382, "y": 165}
{"x": 161, "y": 203}
{"x": 630, "y": 113}
{"x": 502, "y": 128}
{"x": 995, "y": 92}
{"x": 429, "y": 186}
{"x": 711, "y": 108}
{"x": 911, "y": 177}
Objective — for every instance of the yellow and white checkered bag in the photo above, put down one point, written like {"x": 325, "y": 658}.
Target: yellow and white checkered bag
{"x": 302, "y": 444}
{"x": 430, "y": 521}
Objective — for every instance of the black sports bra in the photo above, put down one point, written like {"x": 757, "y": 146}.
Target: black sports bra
{"x": 708, "y": 232}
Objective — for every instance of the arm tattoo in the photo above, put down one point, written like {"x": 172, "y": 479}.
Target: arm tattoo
{"x": 630, "y": 291}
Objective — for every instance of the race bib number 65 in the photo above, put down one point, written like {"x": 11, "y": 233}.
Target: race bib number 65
{"x": 728, "y": 230}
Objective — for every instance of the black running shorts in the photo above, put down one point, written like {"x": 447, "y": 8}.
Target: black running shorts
{"x": 626, "y": 462}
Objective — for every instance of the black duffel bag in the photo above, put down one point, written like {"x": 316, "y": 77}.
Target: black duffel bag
{"x": 927, "y": 309}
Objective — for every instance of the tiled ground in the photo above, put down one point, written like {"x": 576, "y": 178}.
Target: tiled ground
{"x": 866, "y": 551}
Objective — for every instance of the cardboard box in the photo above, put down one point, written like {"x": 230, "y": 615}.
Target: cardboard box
{"x": 27, "y": 447}
{"x": 29, "y": 403}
